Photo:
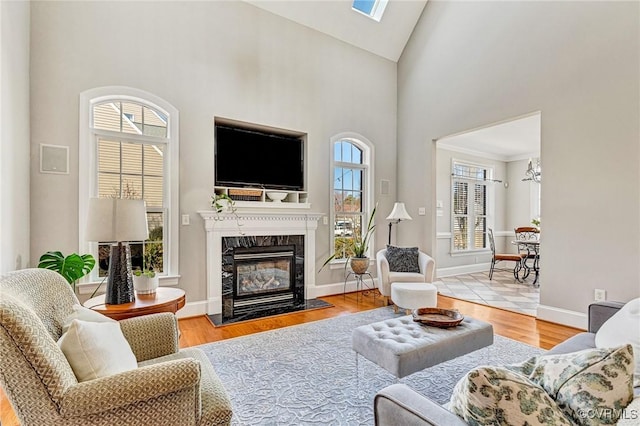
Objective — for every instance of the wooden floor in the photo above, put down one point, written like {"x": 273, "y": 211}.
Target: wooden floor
{"x": 199, "y": 330}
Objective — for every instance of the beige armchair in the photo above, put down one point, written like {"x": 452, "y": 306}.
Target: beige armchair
{"x": 386, "y": 277}
{"x": 169, "y": 387}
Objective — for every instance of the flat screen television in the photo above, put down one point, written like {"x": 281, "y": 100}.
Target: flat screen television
{"x": 245, "y": 157}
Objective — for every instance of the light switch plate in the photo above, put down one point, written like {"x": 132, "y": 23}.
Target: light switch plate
{"x": 185, "y": 219}
{"x": 439, "y": 204}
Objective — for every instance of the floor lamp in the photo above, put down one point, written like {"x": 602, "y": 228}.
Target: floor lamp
{"x": 399, "y": 213}
{"x": 118, "y": 221}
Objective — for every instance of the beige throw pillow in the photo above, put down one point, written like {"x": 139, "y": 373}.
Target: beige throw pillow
{"x": 621, "y": 329}
{"x": 96, "y": 349}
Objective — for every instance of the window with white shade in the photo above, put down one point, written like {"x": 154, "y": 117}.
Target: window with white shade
{"x": 131, "y": 147}
{"x": 470, "y": 200}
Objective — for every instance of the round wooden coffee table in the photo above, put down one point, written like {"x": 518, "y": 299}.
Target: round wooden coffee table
{"x": 165, "y": 299}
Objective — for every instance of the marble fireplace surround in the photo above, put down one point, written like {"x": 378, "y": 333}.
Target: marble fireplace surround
{"x": 222, "y": 225}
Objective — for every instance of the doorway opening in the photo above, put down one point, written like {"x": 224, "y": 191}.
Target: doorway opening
{"x": 484, "y": 181}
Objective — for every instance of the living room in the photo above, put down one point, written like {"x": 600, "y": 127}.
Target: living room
{"x": 465, "y": 65}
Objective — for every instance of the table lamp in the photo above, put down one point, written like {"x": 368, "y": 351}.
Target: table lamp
{"x": 398, "y": 214}
{"x": 118, "y": 221}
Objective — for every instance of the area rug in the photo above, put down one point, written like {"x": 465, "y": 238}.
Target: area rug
{"x": 306, "y": 374}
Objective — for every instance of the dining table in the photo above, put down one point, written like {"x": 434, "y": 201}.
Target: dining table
{"x": 532, "y": 247}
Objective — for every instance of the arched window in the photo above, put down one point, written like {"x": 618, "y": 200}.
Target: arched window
{"x": 351, "y": 189}
{"x": 129, "y": 149}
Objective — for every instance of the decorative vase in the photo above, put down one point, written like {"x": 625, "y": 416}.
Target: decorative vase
{"x": 145, "y": 285}
{"x": 359, "y": 265}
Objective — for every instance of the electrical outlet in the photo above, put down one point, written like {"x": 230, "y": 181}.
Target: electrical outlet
{"x": 599, "y": 295}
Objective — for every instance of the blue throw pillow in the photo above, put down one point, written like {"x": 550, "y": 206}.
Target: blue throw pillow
{"x": 403, "y": 259}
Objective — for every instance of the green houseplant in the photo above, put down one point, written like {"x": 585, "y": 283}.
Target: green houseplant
{"x": 355, "y": 248}
{"x": 146, "y": 280}
{"x": 72, "y": 267}
{"x": 222, "y": 202}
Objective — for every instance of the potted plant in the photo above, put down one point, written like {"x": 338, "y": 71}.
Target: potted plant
{"x": 146, "y": 280}
{"x": 72, "y": 267}
{"x": 222, "y": 202}
{"x": 356, "y": 248}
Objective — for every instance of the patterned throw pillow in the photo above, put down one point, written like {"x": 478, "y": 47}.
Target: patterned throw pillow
{"x": 621, "y": 329}
{"x": 498, "y": 396}
{"x": 592, "y": 386}
{"x": 403, "y": 259}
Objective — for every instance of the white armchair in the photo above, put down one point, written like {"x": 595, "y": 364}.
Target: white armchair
{"x": 386, "y": 276}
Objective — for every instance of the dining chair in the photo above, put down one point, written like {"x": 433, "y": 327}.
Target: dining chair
{"x": 498, "y": 257}
{"x": 526, "y": 233}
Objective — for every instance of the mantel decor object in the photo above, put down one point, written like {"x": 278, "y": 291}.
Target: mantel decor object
{"x": 118, "y": 221}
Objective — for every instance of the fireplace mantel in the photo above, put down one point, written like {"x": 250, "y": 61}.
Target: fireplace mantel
{"x": 219, "y": 225}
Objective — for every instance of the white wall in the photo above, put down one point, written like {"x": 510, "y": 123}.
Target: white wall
{"x": 470, "y": 63}
{"x": 14, "y": 140}
{"x": 208, "y": 59}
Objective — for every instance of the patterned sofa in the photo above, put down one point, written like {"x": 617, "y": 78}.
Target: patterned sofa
{"x": 169, "y": 386}
{"x": 399, "y": 405}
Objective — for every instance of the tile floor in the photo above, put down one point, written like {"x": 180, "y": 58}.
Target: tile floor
{"x": 502, "y": 292}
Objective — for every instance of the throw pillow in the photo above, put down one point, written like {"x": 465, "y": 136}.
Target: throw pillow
{"x": 403, "y": 259}
{"x": 498, "y": 396}
{"x": 84, "y": 314}
{"x": 621, "y": 329}
{"x": 592, "y": 386}
{"x": 96, "y": 349}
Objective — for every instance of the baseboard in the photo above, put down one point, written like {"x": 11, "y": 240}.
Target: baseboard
{"x": 463, "y": 269}
{"x": 336, "y": 288}
{"x": 562, "y": 316}
{"x": 193, "y": 309}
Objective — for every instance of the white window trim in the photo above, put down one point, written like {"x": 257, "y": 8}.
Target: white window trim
{"x": 368, "y": 193}
{"x": 88, "y": 163}
{"x": 490, "y": 207}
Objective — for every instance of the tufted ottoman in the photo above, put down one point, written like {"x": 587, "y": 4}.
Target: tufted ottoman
{"x": 403, "y": 346}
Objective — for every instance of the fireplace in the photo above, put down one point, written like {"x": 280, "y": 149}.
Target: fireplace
{"x": 273, "y": 225}
{"x": 263, "y": 275}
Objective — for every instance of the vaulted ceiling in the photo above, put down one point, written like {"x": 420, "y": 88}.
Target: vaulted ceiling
{"x": 336, "y": 18}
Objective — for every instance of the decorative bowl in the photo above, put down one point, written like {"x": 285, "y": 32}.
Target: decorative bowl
{"x": 438, "y": 317}
{"x": 276, "y": 196}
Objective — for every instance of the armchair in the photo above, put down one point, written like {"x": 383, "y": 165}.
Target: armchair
{"x": 386, "y": 276}
{"x": 170, "y": 386}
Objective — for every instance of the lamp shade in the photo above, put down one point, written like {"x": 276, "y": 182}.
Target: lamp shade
{"x": 117, "y": 219}
{"x": 399, "y": 213}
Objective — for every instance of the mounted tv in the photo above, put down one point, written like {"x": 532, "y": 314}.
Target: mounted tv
{"x": 246, "y": 157}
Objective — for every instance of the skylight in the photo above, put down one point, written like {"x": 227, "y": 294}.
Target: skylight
{"x": 372, "y": 8}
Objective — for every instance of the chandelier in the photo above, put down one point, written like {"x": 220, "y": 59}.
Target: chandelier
{"x": 533, "y": 172}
